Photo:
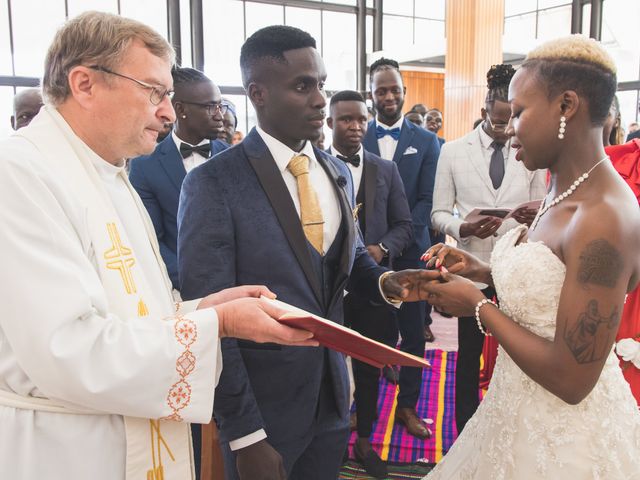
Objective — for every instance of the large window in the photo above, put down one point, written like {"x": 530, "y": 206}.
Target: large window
{"x": 33, "y": 25}
{"x": 530, "y": 22}
{"x": 413, "y": 22}
{"x": 27, "y": 27}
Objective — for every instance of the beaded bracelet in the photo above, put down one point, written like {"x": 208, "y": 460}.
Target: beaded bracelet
{"x": 478, "y": 306}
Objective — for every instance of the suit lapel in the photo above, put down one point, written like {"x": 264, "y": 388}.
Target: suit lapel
{"x": 370, "y": 141}
{"x": 171, "y": 162}
{"x": 475, "y": 155}
{"x": 406, "y": 135}
{"x": 347, "y": 222}
{"x": 370, "y": 174}
{"x": 278, "y": 194}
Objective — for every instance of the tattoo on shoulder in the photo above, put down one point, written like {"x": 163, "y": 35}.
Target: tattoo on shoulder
{"x": 600, "y": 264}
{"x": 590, "y": 338}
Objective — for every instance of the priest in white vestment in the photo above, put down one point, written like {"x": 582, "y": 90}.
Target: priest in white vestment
{"x": 100, "y": 372}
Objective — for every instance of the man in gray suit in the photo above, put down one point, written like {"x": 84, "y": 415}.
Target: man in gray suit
{"x": 480, "y": 170}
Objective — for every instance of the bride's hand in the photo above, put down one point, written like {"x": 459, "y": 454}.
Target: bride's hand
{"x": 454, "y": 295}
{"x": 457, "y": 261}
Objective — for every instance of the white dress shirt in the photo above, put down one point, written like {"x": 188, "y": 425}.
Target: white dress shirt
{"x": 356, "y": 172}
{"x": 388, "y": 144}
{"x": 195, "y": 159}
{"x": 327, "y": 197}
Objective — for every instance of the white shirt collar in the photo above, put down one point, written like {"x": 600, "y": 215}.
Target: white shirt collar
{"x": 398, "y": 124}
{"x": 335, "y": 152}
{"x": 283, "y": 154}
{"x": 486, "y": 140}
{"x": 177, "y": 140}
{"x": 105, "y": 169}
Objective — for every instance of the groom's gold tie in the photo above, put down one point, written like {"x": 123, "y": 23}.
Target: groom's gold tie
{"x": 310, "y": 211}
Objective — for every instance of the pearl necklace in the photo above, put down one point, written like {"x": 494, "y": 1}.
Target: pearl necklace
{"x": 543, "y": 207}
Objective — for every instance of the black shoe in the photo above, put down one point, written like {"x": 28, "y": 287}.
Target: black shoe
{"x": 371, "y": 462}
{"x": 390, "y": 374}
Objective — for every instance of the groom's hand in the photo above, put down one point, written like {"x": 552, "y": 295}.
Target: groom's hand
{"x": 260, "y": 461}
{"x": 408, "y": 285}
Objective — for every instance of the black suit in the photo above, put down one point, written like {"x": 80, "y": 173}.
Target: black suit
{"x": 416, "y": 156}
{"x": 633, "y": 135}
{"x": 384, "y": 218}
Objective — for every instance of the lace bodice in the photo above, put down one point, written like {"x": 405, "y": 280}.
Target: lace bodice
{"x": 523, "y": 431}
{"x": 528, "y": 278}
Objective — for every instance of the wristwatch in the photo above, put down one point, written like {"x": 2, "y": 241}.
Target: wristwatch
{"x": 384, "y": 249}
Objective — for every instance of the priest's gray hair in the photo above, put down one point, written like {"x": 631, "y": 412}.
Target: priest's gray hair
{"x": 95, "y": 38}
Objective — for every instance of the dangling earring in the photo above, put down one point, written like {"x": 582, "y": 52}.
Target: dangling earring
{"x": 563, "y": 126}
{"x": 184, "y": 116}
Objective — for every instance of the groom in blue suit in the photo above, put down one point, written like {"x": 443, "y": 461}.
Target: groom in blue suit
{"x": 415, "y": 151}
{"x": 158, "y": 177}
{"x": 275, "y": 210}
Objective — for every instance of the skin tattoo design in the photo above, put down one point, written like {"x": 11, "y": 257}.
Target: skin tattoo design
{"x": 600, "y": 264}
{"x": 588, "y": 338}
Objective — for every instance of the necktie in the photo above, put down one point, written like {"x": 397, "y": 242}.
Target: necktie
{"x": 310, "y": 211}
{"x": 186, "y": 150}
{"x": 381, "y": 132}
{"x": 496, "y": 167}
{"x": 353, "y": 160}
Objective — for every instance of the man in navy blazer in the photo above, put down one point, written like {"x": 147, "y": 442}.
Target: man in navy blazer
{"x": 385, "y": 223}
{"x": 282, "y": 412}
{"x": 415, "y": 151}
{"x": 158, "y": 177}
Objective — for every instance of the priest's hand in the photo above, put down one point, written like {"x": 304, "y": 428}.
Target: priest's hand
{"x": 454, "y": 295}
{"x": 459, "y": 262}
{"x": 260, "y": 461}
{"x": 234, "y": 293}
{"x": 407, "y": 285}
{"x": 256, "y": 319}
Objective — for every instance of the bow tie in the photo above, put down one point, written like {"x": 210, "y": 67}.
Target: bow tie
{"x": 353, "y": 160}
{"x": 186, "y": 150}
{"x": 381, "y": 132}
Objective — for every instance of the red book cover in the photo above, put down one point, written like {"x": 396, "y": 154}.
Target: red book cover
{"x": 345, "y": 340}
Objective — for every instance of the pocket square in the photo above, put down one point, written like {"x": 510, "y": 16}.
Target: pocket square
{"x": 410, "y": 150}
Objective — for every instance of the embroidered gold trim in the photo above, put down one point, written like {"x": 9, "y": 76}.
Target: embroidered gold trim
{"x": 157, "y": 469}
{"x": 143, "y": 310}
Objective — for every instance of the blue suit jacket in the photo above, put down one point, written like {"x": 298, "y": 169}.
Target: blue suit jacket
{"x": 386, "y": 213}
{"x": 418, "y": 173}
{"x": 157, "y": 178}
{"x": 238, "y": 226}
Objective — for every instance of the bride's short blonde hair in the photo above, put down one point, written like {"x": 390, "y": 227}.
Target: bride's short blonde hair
{"x": 580, "y": 64}
{"x": 577, "y": 48}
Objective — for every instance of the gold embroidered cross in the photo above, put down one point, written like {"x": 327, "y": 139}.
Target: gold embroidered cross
{"x": 120, "y": 258}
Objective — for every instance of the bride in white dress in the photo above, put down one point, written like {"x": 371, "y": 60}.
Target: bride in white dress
{"x": 558, "y": 406}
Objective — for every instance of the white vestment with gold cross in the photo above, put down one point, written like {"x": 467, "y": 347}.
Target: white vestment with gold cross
{"x": 99, "y": 375}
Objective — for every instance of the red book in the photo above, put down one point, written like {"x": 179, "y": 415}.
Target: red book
{"x": 345, "y": 340}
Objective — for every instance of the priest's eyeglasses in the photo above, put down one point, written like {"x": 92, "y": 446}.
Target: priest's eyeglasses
{"x": 212, "y": 108}
{"x": 158, "y": 93}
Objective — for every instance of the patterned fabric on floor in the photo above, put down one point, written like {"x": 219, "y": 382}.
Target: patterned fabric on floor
{"x": 392, "y": 442}
{"x": 354, "y": 471}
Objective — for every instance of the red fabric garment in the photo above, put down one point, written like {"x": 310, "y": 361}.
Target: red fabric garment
{"x": 626, "y": 160}
{"x": 489, "y": 354}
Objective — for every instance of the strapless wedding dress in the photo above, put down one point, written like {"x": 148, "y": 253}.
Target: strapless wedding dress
{"x": 522, "y": 431}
